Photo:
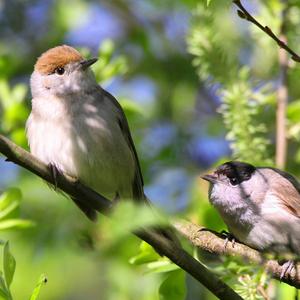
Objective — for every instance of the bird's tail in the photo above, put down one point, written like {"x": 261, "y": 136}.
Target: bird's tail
{"x": 87, "y": 209}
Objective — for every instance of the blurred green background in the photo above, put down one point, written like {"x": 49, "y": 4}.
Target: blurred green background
{"x": 198, "y": 85}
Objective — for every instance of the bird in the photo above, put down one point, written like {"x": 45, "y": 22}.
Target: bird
{"x": 259, "y": 205}
{"x": 78, "y": 128}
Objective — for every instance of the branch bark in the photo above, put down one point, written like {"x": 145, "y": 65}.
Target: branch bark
{"x": 282, "y": 97}
{"x": 214, "y": 243}
{"x": 166, "y": 247}
{"x": 244, "y": 14}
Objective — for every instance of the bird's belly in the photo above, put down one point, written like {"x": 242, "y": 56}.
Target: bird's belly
{"x": 98, "y": 158}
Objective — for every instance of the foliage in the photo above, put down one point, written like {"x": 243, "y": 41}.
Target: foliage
{"x": 241, "y": 109}
{"x": 239, "y": 63}
{"x": 13, "y": 111}
{"x": 180, "y": 110}
{"x": 9, "y": 211}
{"x": 243, "y": 103}
{"x": 251, "y": 282}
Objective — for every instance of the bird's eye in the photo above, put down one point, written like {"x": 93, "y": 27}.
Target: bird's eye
{"x": 233, "y": 181}
{"x": 59, "y": 71}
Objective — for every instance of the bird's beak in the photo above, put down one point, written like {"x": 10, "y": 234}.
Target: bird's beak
{"x": 210, "y": 178}
{"x": 87, "y": 63}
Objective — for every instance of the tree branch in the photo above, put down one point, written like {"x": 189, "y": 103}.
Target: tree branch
{"x": 244, "y": 14}
{"x": 214, "y": 243}
{"x": 166, "y": 247}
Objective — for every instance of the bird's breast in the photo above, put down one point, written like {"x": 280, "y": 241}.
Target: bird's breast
{"x": 87, "y": 144}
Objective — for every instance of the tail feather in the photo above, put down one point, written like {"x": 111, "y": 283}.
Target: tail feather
{"x": 88, "y": 210}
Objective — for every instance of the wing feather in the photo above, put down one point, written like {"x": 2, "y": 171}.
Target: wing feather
{"x": 138, "y": 183}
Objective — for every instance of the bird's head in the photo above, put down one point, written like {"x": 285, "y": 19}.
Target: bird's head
{"x": 61, "y": 70}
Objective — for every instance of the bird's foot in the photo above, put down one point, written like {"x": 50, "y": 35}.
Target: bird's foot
{"x": 55, "y": 172}
{"x": 287, "y": 268}
{"x": 229, "y": 238}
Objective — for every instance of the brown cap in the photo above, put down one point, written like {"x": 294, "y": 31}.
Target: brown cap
{"x": 56, "y": 57}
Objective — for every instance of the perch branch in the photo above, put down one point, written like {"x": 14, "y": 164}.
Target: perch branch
{"x": 166, "y": 247}
{"x": 214, "y": 243}
{"x": 244, "y": 14}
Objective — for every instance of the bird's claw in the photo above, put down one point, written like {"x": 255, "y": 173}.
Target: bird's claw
{"x": 229, "y": 238}
{"x": 287, "y": 268}
{"x": 55, "y": 172}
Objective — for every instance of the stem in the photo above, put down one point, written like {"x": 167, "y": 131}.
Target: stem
{"x": 282, "y": 97}
{"x": 213, "y": 242}
{"x": 244, "y": 14}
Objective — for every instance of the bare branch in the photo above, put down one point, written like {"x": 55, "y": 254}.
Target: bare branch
{"x": 244, "y": 14}
{"x": 165, "y": 246}
{"x": 214, "y": 243}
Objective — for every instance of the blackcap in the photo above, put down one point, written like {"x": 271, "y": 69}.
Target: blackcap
{"x": 260, "y": 205}
{"x": 80, "y": 129}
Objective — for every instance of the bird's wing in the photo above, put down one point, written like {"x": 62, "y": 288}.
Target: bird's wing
{"x": 288, "y": 192}
{"x": 138, "y": 191}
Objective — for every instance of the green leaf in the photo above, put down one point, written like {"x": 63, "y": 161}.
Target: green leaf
{"x": 36, "y": 292}
{"x": 293, "y": 111}
{"x": 146, "y": 255}
{"x": 10, "y": 196}
{"x": 173, "y": 287}
{"x": 4, "y": 293}
{"x": 5, "y": 212}
{"x": 9, "y": 265}
{"x": 161, "y": 266}
{"x": 208, "y": 2}
{"x": 16, "y": 223}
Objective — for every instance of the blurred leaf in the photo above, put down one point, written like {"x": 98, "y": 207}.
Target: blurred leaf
{"x": 36, "y": 292}
{"x": 4, "y": 293}
{"x": 146, "y": 254}
{"x": 131, "y": 107}
{"x": 293, "y": 111}
{"x": 16, "y": 224}
{"x": 107, "y": 66}
{"x": 208, "y": 2}
{"x": 127, "y": 216}
{"x": 9, "y": 265}
{"x": 11, "y": 196}
{"x": 8, "y": 210}
{"x": 173, "y": 287}
{"x": 161, "y": 266}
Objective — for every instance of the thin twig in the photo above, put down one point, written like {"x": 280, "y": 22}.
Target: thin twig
{"x": 163, "y": 245}
{"x": 214, "y": 243}
{"x": 244, "y": 14}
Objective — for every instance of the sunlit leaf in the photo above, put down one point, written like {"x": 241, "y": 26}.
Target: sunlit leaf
{"x": 36, "y": 292}
{"x": 8, "y": 210}
{"x": 10, "y": 196}
{"x": 161, "y": 266}
{"x": 16, "y": 224}
{"x": 146, "y": 254}
{"x": 4, "y": 292}
{"x": 9, "y": 265}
